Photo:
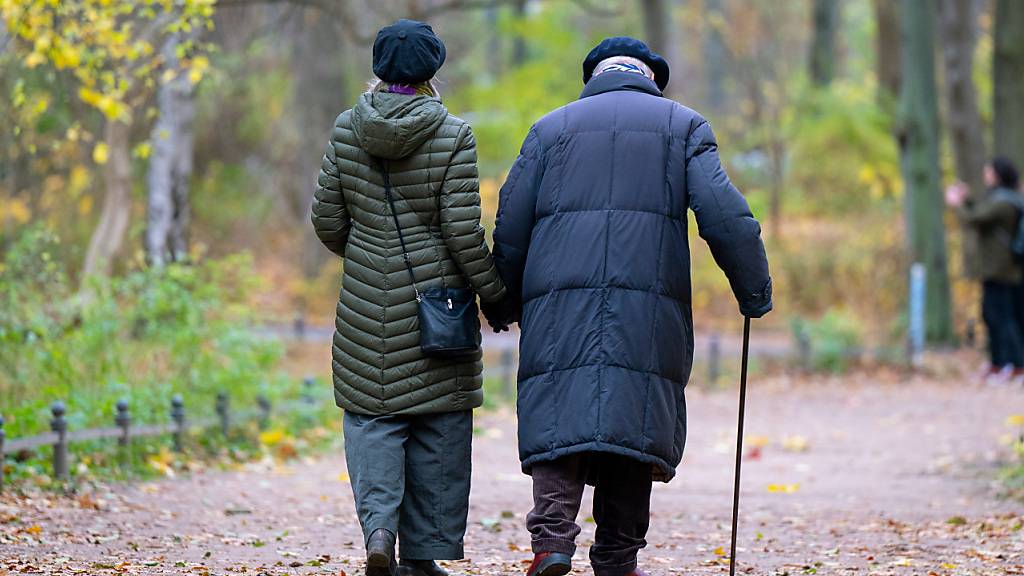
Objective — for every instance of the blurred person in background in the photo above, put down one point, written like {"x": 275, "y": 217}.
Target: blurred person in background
{"x": 408, "y": 416}
{"x": 995, "y": 217}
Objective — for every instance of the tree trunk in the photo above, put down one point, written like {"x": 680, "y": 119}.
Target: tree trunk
{"x": 494, "y": 62}
{"x": 519, "y": 48}
{"x": 657, "y": 23}
{"x": 777, "y": 153}
{"x": 184, "y": 159}
{"x": 1008, "y": 70}
{"x": 170, "y": 164}
{"x": 958, "y": 21}
{"x": 823, "y": 44}
{"x": 716, "y": 57}
{"x": 919, "y": 147}
{"x": 108, "y": 237}
{"x": 887, "y": 51}
{"x": 315, "y": 111}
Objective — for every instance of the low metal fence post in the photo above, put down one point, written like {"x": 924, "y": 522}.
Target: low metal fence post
{"x": 264, "y": 405}
{"x": 60, "y": 448}
{"x": 123, "y": 419}
{"x": 222, "y": 408}
{"x": 307, "y": 390}
{"x": 178, "y": 417}
{"x": 803, "y": 343}
{"x": 3, "y": 436}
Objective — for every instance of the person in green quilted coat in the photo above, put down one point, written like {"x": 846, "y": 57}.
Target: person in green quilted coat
{"x": 408, "y": 417}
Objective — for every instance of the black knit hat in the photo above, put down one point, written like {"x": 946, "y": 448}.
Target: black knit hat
{"x": 626, "y": 46}
{"x": 407, "y": 52}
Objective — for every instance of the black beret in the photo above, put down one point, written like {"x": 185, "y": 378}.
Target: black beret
{"x": 626, "y": 46}
{"x": 407, "y": 52}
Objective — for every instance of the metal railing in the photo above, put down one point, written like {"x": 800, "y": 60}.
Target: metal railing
{"x": 60, "y": 437}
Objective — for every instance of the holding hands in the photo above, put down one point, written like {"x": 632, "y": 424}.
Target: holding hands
{"x": 501, "y": 314}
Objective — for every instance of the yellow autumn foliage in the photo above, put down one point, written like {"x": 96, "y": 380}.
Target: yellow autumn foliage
{"x": 14, "y": 209}
{"x": 100, "y": 153}
{"x": 105, "y": 44}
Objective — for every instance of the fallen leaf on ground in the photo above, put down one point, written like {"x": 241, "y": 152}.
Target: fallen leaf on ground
{"x": 795, "y": 444}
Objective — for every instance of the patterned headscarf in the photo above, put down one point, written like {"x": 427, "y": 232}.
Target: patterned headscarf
{"x": 623, "y": 64}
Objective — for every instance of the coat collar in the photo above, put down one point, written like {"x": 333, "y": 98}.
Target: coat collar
{"x": 612, "y": 81}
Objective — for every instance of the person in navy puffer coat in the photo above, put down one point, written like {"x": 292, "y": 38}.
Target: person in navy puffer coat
{"x": 591, "y": 241}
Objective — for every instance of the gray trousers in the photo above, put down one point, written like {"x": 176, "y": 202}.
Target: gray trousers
{"x": 410, "y": 475}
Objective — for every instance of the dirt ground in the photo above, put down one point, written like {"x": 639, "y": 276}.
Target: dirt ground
{"x": 842, "y": 476}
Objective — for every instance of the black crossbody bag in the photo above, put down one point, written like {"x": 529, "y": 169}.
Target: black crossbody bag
{"x": 449, "y": 318}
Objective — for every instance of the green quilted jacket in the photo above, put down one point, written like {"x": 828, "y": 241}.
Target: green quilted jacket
{"x": 431, "y": 155}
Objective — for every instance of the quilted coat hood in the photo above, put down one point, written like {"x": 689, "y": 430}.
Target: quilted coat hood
{"x": 392, "y": 126}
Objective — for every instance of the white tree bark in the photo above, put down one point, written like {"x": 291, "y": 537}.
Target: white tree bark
{"x": 170, "y": 164}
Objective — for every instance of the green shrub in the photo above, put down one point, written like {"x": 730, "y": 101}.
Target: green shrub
{"x": 832, "y": 342}
{"x": 144, "y": 336}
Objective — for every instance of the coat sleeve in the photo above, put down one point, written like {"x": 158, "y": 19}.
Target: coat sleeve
{"x": 726, "y": 224}
{"x": 460, "y": 221}
{"x": 986, "y": 212}
{"x": 517, "y": 204}
{"x": 330, "y": 216}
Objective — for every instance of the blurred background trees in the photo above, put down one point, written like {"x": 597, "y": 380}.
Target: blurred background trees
{"x": 148, "y": 133}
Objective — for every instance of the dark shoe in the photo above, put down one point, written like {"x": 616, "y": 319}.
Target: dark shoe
{"x": 637, "y": 572}
{"x": 420, "y": 568}
{"x": 550, "y": 564}
{"x": 380, "y": 554}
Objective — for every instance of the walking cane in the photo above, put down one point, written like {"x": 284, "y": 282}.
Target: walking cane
{"x": 739, "y": 445}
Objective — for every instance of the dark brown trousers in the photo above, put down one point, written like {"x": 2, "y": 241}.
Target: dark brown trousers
{"x": 622, "y": 503}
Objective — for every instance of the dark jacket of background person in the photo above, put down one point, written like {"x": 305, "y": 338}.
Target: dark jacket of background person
{"x": 994, "y": 217}
{"x": 591, "y": 235}
{"x": 378, "y": 365}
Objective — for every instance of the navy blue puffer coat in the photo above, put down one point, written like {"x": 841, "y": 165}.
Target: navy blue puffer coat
{"x": 591, "y": 237}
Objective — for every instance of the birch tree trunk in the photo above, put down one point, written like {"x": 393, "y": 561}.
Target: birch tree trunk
{"x": 170, "y": 164}
{"x": 958, "y": 22}
{"x": 823, "y": 44}
{"x": 182, "y": 177}
{"x": 1008, "y": 70}
{"x": 918, "y": 130}
{"x": 108, "y": 237}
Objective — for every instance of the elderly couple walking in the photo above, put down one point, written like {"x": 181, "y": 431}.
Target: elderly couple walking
{"x": 590, "y": 258}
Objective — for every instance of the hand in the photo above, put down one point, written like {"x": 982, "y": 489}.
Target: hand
{"x": 500, "y": 315}
{"x": 956, "y": 194}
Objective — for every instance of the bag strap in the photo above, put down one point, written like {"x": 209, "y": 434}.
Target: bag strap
{"x": 394, "y": 215}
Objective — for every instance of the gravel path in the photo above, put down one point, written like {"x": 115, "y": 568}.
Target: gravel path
{"x": 844, "y": 476}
